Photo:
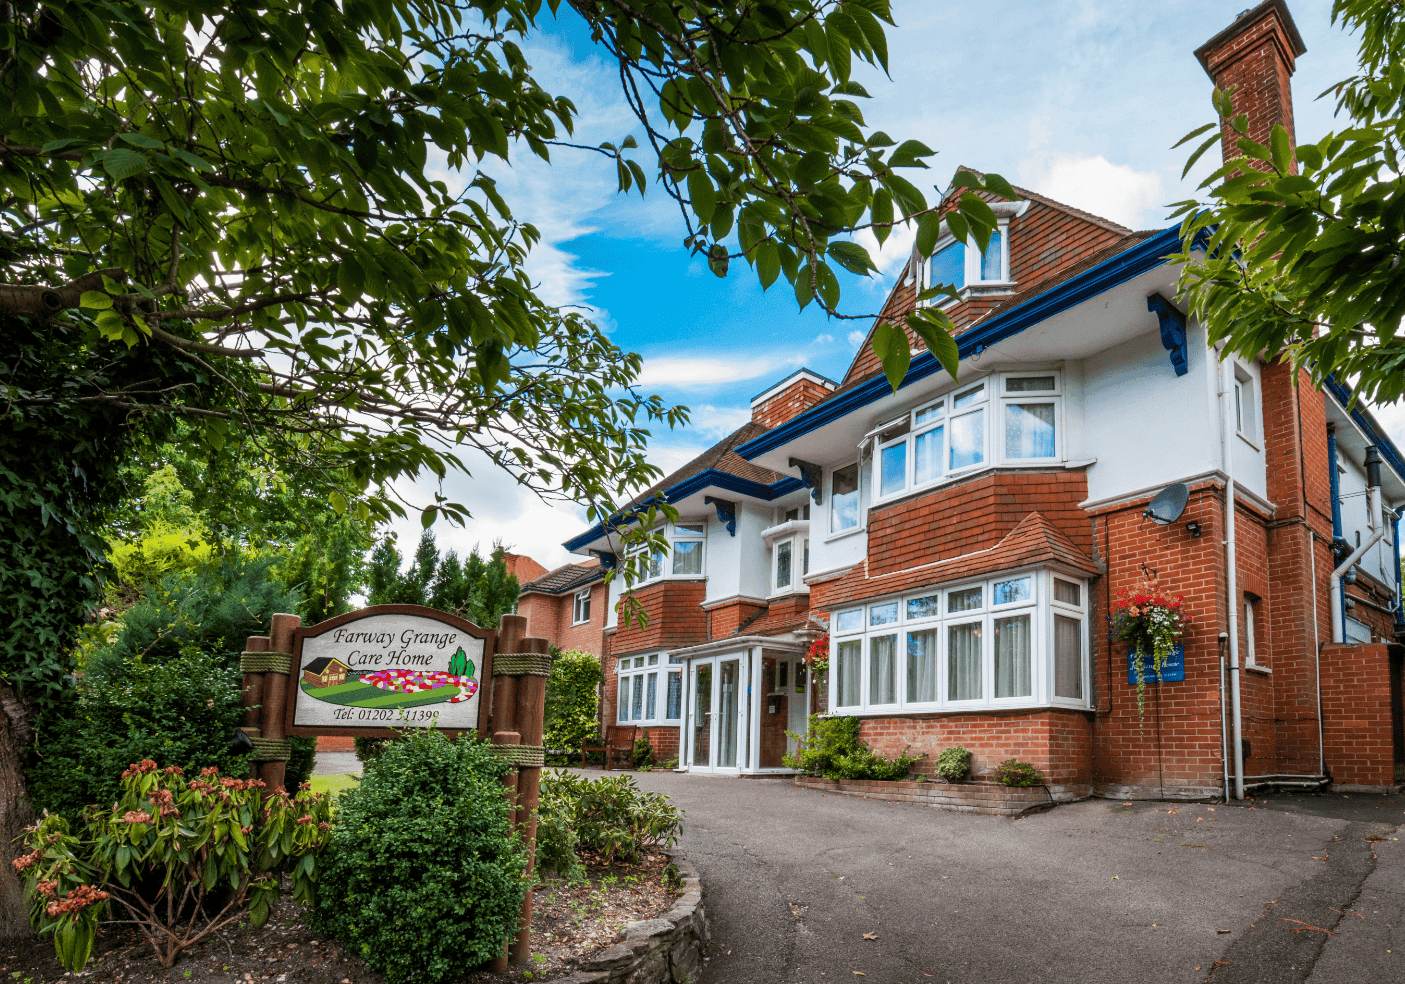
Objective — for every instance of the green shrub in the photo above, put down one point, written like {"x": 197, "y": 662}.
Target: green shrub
{"x": 643, "y": 752}
{"x": 212, "y": 843}
{"x": 301, "y": 762}
{"x": 572, "y": 700}
{"x": 1015, "y": 773}
{"x": 182, "y": 712}
{"x": 953, "y": 763}
{"x": 831, "y": 748}
{"x": 368, "y": 750}
{"x": 427, "y": 867}
{"x": 611, "y": 815}
{"x": 556, "y": 833}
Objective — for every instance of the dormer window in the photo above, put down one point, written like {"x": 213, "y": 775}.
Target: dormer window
{"x": 964, "y": 265}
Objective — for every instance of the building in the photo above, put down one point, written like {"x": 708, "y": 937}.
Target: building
{"x": 567, "y": 606}
{"x": 962, "y": 541}
{"x": 327, "y": 671}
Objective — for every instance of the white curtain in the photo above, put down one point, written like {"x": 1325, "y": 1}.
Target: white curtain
{"x": 1029, "y": 430}
{"x": 922, "y": 666}
{"x": 1068, "y": 657}
{"x": 882, "y": 655}
{"x": 651, "y": 703}
{"x": 1012, "y": 663}
{"x": 963, "y": 654}
{"x": 846, "y": 674}
{"x": 624, "y": 698}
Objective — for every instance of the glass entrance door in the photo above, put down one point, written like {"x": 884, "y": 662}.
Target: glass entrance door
{"x": 701, "y": 745}
{"x": 728, "y": 678}
{"x": 717, "y": 706}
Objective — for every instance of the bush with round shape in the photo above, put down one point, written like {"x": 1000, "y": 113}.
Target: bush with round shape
{"x": 953, "y": 763}
{"x": 1013, "y": 772}
{"x": 427, "y": 868}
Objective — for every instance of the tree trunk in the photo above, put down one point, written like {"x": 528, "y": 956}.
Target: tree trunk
{"x": 15, "y": 811}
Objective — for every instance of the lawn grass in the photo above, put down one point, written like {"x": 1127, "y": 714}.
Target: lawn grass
{"x": 335, "y": 783}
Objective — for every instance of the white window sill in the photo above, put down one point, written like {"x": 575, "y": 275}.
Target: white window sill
{"x": 800, "y": 589}
{"x": 1256, "y": 668}
{"x": 582, "y": 622}
{"x": 1248, "y": 440}
{"x": 842, "y": 534}
{"x": 963, "y": 707}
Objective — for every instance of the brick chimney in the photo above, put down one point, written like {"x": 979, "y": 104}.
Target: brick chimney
{"x": 1256, "y": 55}
{"x": 791, "y": 397}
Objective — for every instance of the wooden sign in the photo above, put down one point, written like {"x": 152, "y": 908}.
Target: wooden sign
{"x": 388, "y": 667}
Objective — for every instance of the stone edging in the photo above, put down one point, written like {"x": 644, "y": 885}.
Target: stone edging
{"x": 668, "y": 950}
{"x": 966, "y": 797}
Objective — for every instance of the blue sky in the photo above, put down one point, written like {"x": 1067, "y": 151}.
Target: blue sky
{"x": 1080, "y": 101}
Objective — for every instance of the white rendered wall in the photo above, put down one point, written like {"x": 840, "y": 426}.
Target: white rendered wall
{"x": 1379, "y": 561}
{"x": 754, "y": 571}
{"x": 1146, "y": 426}
{"x": 834, "y": 551}
{"x": 1250, "y": 463}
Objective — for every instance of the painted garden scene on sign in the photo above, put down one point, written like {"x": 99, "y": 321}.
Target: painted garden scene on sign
{"x": 474, "y": 474}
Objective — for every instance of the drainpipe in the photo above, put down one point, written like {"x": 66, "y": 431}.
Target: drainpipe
{"x": 1339, "y": 545}
{"x": 1399, "y": 597}
{"x": 1377, "y": 521}
{"x": 1231, "y": 584}
{"x": 1224, "y": 726}
{"x": 1316, "y": 645}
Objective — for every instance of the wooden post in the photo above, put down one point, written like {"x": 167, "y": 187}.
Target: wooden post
{"x": 275, "y": 692}
{"x": 531, "y": 712}
{"x": 252, "y": 692}
{"x": 503, "y": 724}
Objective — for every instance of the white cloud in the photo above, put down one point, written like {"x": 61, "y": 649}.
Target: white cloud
{"x": 824, "y": 339}
{"x": 691, "y": 371}
{"x": 856, "y": 338}
{"x": 1095, "y": 184}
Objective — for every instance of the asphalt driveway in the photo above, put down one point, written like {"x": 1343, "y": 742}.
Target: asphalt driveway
{"x": 1290, "y": 889}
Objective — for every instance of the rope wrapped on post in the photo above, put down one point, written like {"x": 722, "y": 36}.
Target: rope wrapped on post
{"x": 265, "y": 662}
{"x": 525, "y": 756}
{"x": 522, "y": 664}
{"x": 271, "y": 750}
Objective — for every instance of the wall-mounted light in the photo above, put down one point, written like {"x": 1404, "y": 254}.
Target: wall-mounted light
{"x": 1193, "y": 527}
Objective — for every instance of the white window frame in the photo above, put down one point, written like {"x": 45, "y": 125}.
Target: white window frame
{"x": 662, "y": 567}
{"x": 794, "y": 533}
{"x": 1040, "y": 607}
{"x": 972, "y": 261}
{"x": 580, "y": 607}
{"x": 630, "y": 669}
{"x": 863, "y": 490}
{"x": 1246, "y": 405}
{"x": 1007, "y": 399}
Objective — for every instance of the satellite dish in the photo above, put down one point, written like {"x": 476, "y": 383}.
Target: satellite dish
{"x": 1168, "y": 505}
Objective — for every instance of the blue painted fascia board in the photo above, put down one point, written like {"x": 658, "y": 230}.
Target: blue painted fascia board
{"x": 1385, "y": 445}
{"x": 709, "y": 479}
{"x": 1109, "y": 273}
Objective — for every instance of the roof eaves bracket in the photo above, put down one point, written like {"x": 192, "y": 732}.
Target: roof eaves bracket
{"x": 1173, "y": 334}
{"x": 813, "y": 478}
{"x": 726, "y": 512}
{"x": 607, "y": 559}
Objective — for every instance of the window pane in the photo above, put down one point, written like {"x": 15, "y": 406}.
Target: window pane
{"x": 865, "y": 477}
{"x": 949, "y": 266}
{"x": 883, "y": 614}
{"x": 882, "y": 655}
{"x": 844, "y": 498}
{"x": 1012, "y": 664}
{"x": 782, "y": 675}
{"x": 1029, "y": 430}
{"x": 654, "y": 660}
{"x": 689, "y": 529}
{"x": 1008, "y": 592}
{"x": 638, "y": 702}
{"x": 624, "y": 698}
{"x": 1030, "y": 384}
{"x": 923, "y": 607}
{"x": 927, "y": 456}
{"x": 1067, "y": 592}
{"x": 1068, "y": 657}
{"x": 639, "y": 661}
{"x": 687, "y": 557}
{"x": 846, "y": 674}
{"x": 963, "y": 661}
{"x": 967, "y": 440}
{"x": 973, "y": 395}
{"x": 651, "y": 705}
{"x": 892, "y": 468}
{"x": 678, "y": 660}
{"x": 675, "y": 696}
{"x": 783, "y": 550}
{"x": 963, "y": 600}
{"x": 849, "y": 621}
{"x": 656, "y": 564}
{"x": 805, "y": 563}
{"x": 991, "y": 267}
{"x": 922, "y": 666}
{"x": 929, "y": 413}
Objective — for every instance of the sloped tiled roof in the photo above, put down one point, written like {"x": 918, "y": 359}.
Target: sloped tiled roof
{"x": 720, "y": 457}
{"x": 566, "y": 577}
{"x": 1034, "y": 540}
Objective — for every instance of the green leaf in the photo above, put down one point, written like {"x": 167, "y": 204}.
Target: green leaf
{"x": 95, "y": 300}
{"x": 701, "y": 194}
{"x": 934, "y": 327}
{"x": 1282, "y": 149}
{"x": 121, "y": 163}
{"x": 1195, "y": 133}
{"x": 141, "y": 140}
{"x": 1190, "y": 162}
{"x": 890, "y": 344}
{"x": 881, "y": 213}
{"x": 351, "y": 279}
{"x": 427, "y": 517}
{"x": 852, "y": 257}
{"x": 928, "y": 232}
{"x": 768, "y": 263}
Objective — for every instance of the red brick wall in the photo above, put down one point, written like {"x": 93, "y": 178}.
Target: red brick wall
{"x": 542, "y": 612}
{"x": 792, "y": 401}
{"x": 1057, "y": 742}
{"x": 1356, "y": 719}
{"x": 724, "y": 620}
{"x": 1259, "y": 62}
{"x": 676, "y": 618}
{"x": 550, "y": 617}
{"x": 971, "y": 516}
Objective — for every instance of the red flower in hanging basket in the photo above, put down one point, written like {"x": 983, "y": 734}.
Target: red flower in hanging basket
{"x": 817, "y": 656}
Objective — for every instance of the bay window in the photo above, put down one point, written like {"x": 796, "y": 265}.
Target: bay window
{"x": 789, "y": 542}
{"x": 1016, "y": 640}
{"x": 650, "y": 689}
